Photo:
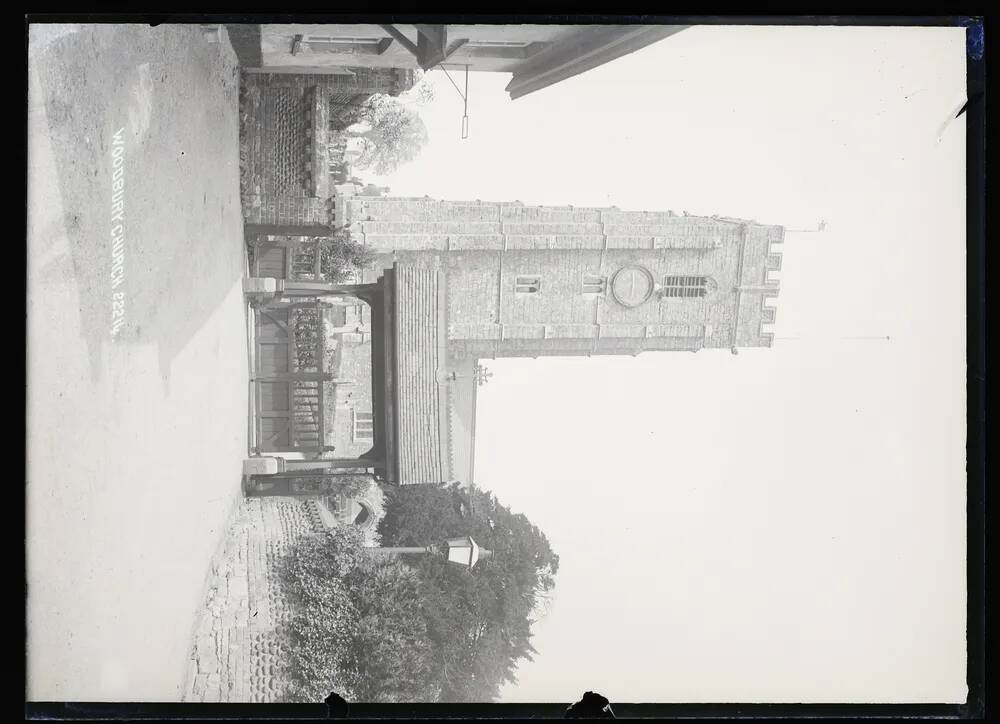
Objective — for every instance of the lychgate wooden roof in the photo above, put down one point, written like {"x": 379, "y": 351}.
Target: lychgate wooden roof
{"x": 420, "y": 355}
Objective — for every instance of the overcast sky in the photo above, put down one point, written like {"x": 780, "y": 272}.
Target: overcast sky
{"x": 787, "y": 524}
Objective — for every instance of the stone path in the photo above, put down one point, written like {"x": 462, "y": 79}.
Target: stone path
{"x": 237, "y": 651}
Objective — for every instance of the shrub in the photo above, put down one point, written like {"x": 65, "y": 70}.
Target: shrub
{"x": 307, "y": 330}
{"x": 322, "y": 615}
{"x": 389, "y": 654}
{"x": 355, "y": 626}
{"x": 343, "y": 257}
{"x": 354, "y": 485}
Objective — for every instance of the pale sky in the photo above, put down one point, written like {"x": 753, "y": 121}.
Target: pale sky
{"x": 785, "y": 525}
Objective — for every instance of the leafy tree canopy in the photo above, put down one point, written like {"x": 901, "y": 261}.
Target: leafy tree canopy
{"x": 392, "y": 132}
{"x": 479, "y": 622}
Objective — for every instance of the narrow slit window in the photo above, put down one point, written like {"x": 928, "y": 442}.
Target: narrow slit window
{"x": 594, "y": 284}
{"x": 363, "y": 426}
{"x": 685, "y": 287}
{"x": 337, "y": 44}
{"x": 527, "y": 284}
{"x": 499, "y": 43}
{"x": 335, "y": 40}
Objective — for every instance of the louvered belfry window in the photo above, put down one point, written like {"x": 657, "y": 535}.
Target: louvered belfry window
{"x": 594, "y": 284}
{"x": 364, "y": 426}
{"x": 527, "y": 283}
{"x": 685, "y": 286}
{"x": 500, "y": 43}
{"x": 335, "y": 43}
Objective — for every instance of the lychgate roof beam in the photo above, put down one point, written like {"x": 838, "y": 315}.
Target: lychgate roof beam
{"x": 581, "y": 51}
{"x": 432, "y": 47}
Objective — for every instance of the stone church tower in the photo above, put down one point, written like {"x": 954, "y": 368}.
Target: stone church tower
{"x": 528, "y": 281}
{"x": 477, "y": 280}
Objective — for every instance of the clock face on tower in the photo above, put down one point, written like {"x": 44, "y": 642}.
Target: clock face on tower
{"x": 632, "y": 285}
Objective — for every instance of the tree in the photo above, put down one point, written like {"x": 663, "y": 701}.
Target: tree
{"x": 393, "y": 134}
{"x": 479, "y": 621}
{"x": 417, "y": 629}
{"x": 421, "y": 92}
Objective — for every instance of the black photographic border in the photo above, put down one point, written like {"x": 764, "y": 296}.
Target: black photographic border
{"x": 974, "y": 113}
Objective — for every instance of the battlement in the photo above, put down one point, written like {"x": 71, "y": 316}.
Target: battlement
{"x": 417, "y": 208}
{"x": 772, "y": 279}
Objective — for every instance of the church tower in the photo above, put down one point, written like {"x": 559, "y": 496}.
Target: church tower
{"x": 529, "y": 281}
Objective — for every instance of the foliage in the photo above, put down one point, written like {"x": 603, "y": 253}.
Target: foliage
{"x": 421, "y": 92}
{"x": 340, "y": 261}
{"x": 342, "y": 258}
{"x": 393, "y": 134}
{"x": 343, "y": 115}
{"x": 356, "y": 486}
{"x": 478, "y": 621}
{"x": 375, "y": 629}
{"x": 308, "y": 330}
{"x": 363, "y": 488}
{"x": 319, "y": 629}
{"x": 389, "y": 651}
{"x": 354, "y": 626}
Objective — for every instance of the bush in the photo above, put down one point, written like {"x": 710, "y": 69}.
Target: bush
{"x": 322, "y": 616}
{"x": 342, "y": 258}
{"x": 389, "y": 651}
{"x": 356, "y": 485}
{"x": 307, "y": 330}
{"x": 355, "y": 626}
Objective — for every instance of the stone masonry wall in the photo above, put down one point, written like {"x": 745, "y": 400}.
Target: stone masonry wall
{"x": 285, "y": 120}
{"x": 397, "y": 223}
{"x": 237, "y": 651}
{"x": 355, "y": 367}
{"x": 279, "y": 155}
{"x": 485, "y": 246}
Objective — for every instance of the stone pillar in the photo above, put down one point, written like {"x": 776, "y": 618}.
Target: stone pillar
{"x": 263, "y": 465}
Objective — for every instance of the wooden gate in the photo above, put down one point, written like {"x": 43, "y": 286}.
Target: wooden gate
{"x": 290, "y": 347}
{"x": 288, "y": 259}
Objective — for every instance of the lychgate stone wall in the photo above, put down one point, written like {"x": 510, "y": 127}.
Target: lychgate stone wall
{"x": 286, "y": 122}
